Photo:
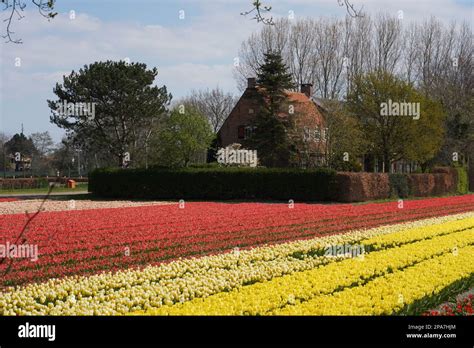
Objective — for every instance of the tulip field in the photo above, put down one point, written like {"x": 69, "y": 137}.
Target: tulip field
{"x": 210, "y": 258}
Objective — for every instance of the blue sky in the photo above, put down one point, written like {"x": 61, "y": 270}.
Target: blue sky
{"x": 190, "y": 53}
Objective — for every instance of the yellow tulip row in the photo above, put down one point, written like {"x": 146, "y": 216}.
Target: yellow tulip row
{"x": 263, "y": 298}
{"x": 187, "y": 279}
{"x": 417, "y": 234}
{"x": 389, "y": 294}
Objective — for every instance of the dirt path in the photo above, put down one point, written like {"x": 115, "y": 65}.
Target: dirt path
{"x": 32, "y": 205}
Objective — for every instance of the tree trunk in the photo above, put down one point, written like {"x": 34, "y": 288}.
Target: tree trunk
{"x": 386, "y": 162}
{"x": 423, "y": 167}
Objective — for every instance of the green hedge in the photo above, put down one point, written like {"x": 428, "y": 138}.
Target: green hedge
{"x": 214, "y": 183}
{"x": 463, "y": 180}
{"x": 399, "y": 186}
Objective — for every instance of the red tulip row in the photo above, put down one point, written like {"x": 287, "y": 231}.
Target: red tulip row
{"x": 170, "y": 244}
{"x": 88, "y": 241}
{"x": 463, "y": 306}
{"x": 8, "y": 199}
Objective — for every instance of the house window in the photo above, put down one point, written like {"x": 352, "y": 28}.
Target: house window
{"x": 317, "y": 134}
{"x": 324, "y": 134}
{"x": 248, "y": 132}
{"x": 250, "y": 111}
{"x": 306, "y": 134}
{"x": 245, "y": 132}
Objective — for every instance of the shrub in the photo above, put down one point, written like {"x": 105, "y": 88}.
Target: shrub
{"x": 23, "y": 183}
{"x": 214, "y": 183}
{"x": 206, "y": 165}
{"x": 358, "y": 187}
{"x": 441, "y": 182}
{"x": 463, "y": 180}
{"x": 220, "y": 183}
{"x": 421, "y": 185}
{"x": 353, "y": 165}
{"x": 460, "y": 176}
{"x": 399, "y": 186}
{"x": 471, "y": 177}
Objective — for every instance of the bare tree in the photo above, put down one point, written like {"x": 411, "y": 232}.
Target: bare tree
{"x": 411, "y": 51}
{"x": 269, "y": 38}
{"x": 359, "y": 46}
{"x": 15, "y": 8}
{"x": 302, "y": 52}
{"x": 387, "y": 43}
{"x": 259, "y": 10}
{"x": 215, "y": 104}
{"x": 330, "y": 53}
{"x": 350, "y": 8}
{"x": 329, "y": 58}
{"x": 42, "y": 142}
{"x": 314, "y": 51}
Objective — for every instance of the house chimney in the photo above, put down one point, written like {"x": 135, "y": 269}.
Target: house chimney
{"x": 251, "y": 82}
{"x": 306, "y": 88}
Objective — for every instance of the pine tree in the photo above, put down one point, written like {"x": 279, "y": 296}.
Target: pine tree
{"x": 271, "y": 124}
{"x": 127, "y": 103}
{"x": 273, "y": 77}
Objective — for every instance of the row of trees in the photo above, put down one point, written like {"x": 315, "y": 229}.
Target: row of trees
{"x": 356, "y": 127}
{"x": 133, "y": 120}
{"x": 343, "y": 58}
{"x": 330, "y": 52}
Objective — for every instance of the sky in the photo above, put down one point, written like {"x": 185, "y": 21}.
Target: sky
{"x": 192, "y": 43}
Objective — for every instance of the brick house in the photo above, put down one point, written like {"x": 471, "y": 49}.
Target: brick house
{"x": 308, "y": 118}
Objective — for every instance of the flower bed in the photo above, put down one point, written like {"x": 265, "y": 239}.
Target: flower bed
{"x": 8, "y": 199}
{"x": 381, "y": 282}
{"x": 91, "y": 241}
{"x": 273, "y": 271}
{"x": 463, "y": 307}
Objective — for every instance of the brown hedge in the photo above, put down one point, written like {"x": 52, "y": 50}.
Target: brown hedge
{"x": 360, "y": 187}
{"x": 28, "y": 183}
{"x": 22, "y": 183}
{"x": 432, "y": 184}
